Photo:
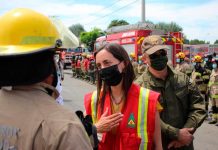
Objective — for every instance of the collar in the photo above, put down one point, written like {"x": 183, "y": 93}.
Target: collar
{"x": 38, "y": 86}
{"x": 156, "y": 82}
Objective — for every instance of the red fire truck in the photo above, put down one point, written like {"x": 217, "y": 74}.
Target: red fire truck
{"x": 131, "y": 40}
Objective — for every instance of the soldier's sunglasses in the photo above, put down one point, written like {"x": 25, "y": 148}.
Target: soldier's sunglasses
{"x": 158, "y": 54}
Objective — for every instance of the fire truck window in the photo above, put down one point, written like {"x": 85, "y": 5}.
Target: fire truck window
{"x": 169, "y": 52}
{"x": 130, "y": 48}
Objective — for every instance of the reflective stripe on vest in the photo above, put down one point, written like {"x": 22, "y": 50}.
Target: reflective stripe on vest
{"x": 142, "y": 118}
{"x": 142, "y": 115}
{"x": 214, "y": 96}
{"x": 206, "y": 77}
{"x": 93, "y": 106}
{"x": 198, "y": 74}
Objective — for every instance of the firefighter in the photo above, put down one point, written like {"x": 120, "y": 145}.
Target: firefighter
{"x": 208, "y": 62}
{"x": 92, "y": 69}
{"x": 78, "y": 67}
{"x": 213, "y": 90}
{"x": 85, "y": 66}
{"x": 30, "y": 117}
{"x": 183, "y": 64}
{"x": 201, "y": 76}
{"x": 73, "y": 65}
{"x": 62, "y": 57}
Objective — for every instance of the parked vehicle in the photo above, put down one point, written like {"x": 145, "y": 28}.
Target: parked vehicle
{"x": 131, "y": 37}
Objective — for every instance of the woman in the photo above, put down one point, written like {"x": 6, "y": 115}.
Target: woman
{"x": 124, "y": 114}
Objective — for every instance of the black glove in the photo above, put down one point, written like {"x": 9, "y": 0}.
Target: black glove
{"x": 86, "y": 121}
{"x": 89, "y": 127}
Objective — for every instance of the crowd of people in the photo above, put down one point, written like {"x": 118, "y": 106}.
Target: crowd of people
{"x": 83, "y": 67}
{"x": 137, "y": 105}
{"x": 202, "y": 71}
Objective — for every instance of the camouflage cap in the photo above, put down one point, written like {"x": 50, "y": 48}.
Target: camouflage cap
{"x": 153, "y": 43}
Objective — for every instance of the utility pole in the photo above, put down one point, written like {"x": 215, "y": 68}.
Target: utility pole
{"x": 143, "y": 11}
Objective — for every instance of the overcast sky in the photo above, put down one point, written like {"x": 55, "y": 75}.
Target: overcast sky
{"x": 198, "y": 18}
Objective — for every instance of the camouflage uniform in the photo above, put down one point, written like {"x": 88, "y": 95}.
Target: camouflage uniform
{"x": 141, "y": 69}
{"x": 135, "y": 67}
{"x": 182, "y": 103}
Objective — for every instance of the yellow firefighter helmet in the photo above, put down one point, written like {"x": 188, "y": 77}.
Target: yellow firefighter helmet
{"x": 84, "y": 54}
{"x": 24, "y": 31}
{"x": 198, "y": 58}
{"x": 181, "y": 55}
{"x": 132, "y": 55}
{"x": 27, "y": 38}
{"x": 140, "y": 57}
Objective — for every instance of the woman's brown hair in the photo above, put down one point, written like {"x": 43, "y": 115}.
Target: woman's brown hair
{"x": 128, "y": 73}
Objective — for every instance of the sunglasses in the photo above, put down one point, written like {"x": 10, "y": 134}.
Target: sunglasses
{"x": 158, "y": 54}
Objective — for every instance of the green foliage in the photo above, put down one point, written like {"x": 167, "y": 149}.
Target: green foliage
{"x": 77, "y": 29}
{"x": 186, "y": 40}
{"x": 88, "y": 38}
{"x": 196, "y": 41}
{"x": 216, "y": 42}
{"x": 117, "y": 23}
{"x": 168, "y": 27}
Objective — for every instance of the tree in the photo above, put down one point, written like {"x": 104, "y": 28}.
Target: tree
{"x": 216, "y": 42}
{"x": 117, "y": 23}
{"x": 186, "y": 41}
{"x": 196, "y": 41}
{"x": 168, "y": 27}
{"x": 89, "y": 38}
{"x": 77, "y": 29}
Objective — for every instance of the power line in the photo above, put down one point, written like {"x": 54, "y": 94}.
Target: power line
{"x": 104, "y": 8}
{"x": 111, "y": 12}
{"x": 109, "y": 6}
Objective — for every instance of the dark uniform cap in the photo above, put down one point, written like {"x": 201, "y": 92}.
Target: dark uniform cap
{"x": 153, "y": 43}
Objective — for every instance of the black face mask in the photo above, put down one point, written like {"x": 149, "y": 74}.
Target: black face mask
{"x": 111, "y": 75}
{"x": 159, "y": 63}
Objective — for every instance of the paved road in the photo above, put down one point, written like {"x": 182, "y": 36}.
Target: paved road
{"x": 206, "y": 137}
{"x": 74, "y": 91}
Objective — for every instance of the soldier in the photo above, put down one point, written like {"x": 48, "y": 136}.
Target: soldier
{"x": 182, "y": 103}
{"x": 183, "y": 64}
{"x": 30, "y": 119}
